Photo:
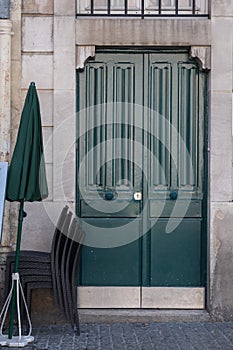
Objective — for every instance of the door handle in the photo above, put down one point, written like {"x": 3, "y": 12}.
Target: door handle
{"x": 109, "y": 195}
{"x": 174, "y": 194}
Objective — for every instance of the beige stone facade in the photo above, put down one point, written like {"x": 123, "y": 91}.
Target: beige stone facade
{"x": 48, "y": 43}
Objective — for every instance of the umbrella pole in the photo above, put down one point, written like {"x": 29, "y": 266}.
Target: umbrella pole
{"x": 17, "y": 254}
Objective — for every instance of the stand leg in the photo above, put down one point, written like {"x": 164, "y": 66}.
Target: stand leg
{"x": 5, "y": 309}
{"x": 15, "y": 341}
{"x": 17, "y": 253}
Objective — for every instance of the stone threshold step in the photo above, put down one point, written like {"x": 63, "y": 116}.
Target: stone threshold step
{"x": 142, "y": 315}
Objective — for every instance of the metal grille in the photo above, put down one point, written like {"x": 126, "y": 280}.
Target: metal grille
{"x": 143, "y": 8}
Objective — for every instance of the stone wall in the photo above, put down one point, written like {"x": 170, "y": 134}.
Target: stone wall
{"x": 46, "y": 34}
{"x": 37, "y": 29}
{"x": 217, "y": 34}
{"x": 48, "y": 58}
{"x": 221, "y": 206}
{"x": 5, "y": 127}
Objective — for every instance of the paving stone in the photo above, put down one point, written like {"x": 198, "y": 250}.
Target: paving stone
{"x": 135, "y": 336}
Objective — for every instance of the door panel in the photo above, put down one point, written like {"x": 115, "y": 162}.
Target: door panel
{"x": 176, "y": 119}
{"x": 119, "y": 266}
{"x": 132, "y": 209}
{"x": 110, "y": 169}
{"x": 159, "y": 104}
{"x": 172, "y": 247}
{"x": 165, "y": 209}
{"x": 110, "y": 161}
{"x": 174, "y": 258}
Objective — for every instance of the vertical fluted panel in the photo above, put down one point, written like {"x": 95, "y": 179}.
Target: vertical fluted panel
{"x": 188, "y": 122}
{"x": 124, "y": 96}
{"x": 160, "y": 104}
{"x": 95, "y": 123}
{"x": 110, "y": 121}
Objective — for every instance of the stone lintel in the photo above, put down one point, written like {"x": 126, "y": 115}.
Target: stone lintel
{"x": 149, "y": 32}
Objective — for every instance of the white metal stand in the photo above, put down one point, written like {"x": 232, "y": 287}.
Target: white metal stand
{"x": 20, "y": 340}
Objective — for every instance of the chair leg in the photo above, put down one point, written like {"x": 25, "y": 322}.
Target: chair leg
{"x": 70, "y": 302}
{"x": 75, "y": 308}
{"x": 76, "y": 320}
{"x": 7, "y": 278}
{"x": 28, "y": 297}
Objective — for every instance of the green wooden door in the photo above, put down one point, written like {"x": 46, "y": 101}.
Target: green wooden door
{"x": 140, "y": 172}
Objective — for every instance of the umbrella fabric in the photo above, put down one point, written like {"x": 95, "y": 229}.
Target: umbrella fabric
{"x": 26, "y": 176}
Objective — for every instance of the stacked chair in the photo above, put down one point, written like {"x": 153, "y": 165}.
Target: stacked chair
{"x": 56, "y": 270}
{"x": 69, "y": 272}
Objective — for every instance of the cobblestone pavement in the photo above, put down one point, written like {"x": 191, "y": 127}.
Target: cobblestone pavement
{"x": 133, "y": 336}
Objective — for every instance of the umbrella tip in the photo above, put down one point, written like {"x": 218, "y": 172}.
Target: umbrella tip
{"x": 33, "y": 83}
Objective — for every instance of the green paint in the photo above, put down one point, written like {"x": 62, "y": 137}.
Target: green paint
{"x": 172, "y": 85}
{"x": 174, "y": 258}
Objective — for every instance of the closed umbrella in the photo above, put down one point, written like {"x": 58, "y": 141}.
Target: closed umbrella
{"x": 26, "y": 176}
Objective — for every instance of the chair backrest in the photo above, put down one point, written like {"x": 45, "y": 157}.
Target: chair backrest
{"x": 72, "y": 252}
{"x": 62, "y": 240}
{"x": 58, "y": 229}
{"x": 77, "y": 245}
{"x": 56, "y": 239}
{"x": 67, "y": 247}
{"x": 63, "y": 266}
{"x": 58, "y": 259}
{"x": 69, "y": 283}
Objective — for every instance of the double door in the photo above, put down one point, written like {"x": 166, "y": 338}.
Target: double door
{"x": 140, "y": 180}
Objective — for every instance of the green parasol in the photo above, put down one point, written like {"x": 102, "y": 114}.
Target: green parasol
{"x": 26, "y": 179}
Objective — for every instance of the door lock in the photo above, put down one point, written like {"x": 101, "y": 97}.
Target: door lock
{"x": 137, "y": 196}
{"x": 174, "y": 195}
